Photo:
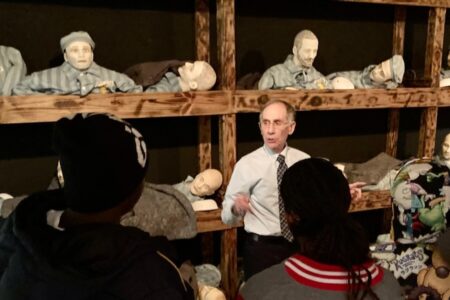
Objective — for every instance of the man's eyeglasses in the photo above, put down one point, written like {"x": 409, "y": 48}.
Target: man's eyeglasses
{"x": 276, "y": 123}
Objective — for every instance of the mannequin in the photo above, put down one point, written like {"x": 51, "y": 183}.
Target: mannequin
{"x": 387, "y": 74}
{"x": 297, "y": 71}
{"x": 196, "y": 76}
{"x": 204, "y": 184}
{"x": 444, "y": 157}
{"x": 12, "y": 69}
{"x": 78, "y": 75}
{"x": 445, "y": 74}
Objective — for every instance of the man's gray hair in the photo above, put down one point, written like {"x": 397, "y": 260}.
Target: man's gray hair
{"x": 289, "y": 109}
{"x": 304, "y": 34}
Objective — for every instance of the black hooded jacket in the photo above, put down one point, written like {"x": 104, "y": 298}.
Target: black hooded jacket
{"x": 95, "y": 261}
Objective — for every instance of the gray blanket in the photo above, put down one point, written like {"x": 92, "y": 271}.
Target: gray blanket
{"x": 163, "y": 210}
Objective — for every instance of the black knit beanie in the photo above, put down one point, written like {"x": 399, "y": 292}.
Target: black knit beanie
{"x": 103, "y": 160}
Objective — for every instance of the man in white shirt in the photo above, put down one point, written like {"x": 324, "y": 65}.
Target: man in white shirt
{"x": 252, "y": 193}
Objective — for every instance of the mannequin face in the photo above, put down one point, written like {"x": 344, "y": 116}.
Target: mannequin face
{"x": 79, "y": 55}
{"x": 448, "y": 59}
{"x": 189, "y": 75}
{"x": 446, "y": 148}
{"x": 306, "y": 54}
{"x": 206, "y": 182}
{"x": 382, "y": 72}
{"x": 275, "y": 126}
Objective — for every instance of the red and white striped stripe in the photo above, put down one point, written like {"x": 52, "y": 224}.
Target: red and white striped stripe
{"x": 327, "y": 277}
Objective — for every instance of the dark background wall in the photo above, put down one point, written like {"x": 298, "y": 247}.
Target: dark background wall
{"x": 351, "y": 36}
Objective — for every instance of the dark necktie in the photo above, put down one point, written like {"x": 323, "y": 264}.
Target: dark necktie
{"x": 285, "y": 232}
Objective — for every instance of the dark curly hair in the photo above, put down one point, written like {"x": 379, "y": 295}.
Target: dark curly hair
{"x": 317, "y": 197}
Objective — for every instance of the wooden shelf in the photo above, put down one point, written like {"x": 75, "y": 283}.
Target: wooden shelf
{"x": 49, "y": 108}
{"x": 208, "y": 221}
{"x": 425, "y": 3}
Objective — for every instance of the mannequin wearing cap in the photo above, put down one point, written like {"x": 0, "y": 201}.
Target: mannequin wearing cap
{"x": 196, "y": 76}
{"x": 206, "y": 183}
{"x": 12, "y": 69}
{"x": 78, "y": 75}
{"x": 443, "y": 157}
{"x": 297, "y": 71}
{"x": 72, "y": 235}
{"x": 387, "y": 74}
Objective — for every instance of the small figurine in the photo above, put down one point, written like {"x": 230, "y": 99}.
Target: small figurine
{"x": 12, "y": 69}
{"x": 297, "y": 71}
{"x": 173, "y": 76}
{"x": 78, "y": 75}
{"x": 435, "y": 280}
{"x": 387, "y": 74}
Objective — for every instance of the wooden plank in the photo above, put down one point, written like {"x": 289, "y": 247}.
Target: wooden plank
{"x": 398, "y": 34}
{"x": 29, "y": 109}
{"x": 208, "y": 221}
{"x": 49, "y": 108}
{"x": 372, "y": 200}
{"x": 202, "y": 32}
{"x": 226, "y": 44}
{"x": 202, "y": 45}
{"x": 434, "y": 46}
{"x": 228, "y": 263}
{"x": 398, "y": 40}
{"x": 204, "y": 143}
{"x": 227, "y": 140}
{"x": 427, "y": 3}
{"x": 392, "y": 134}
{"x": 250, "y": 101}
{"x": 427, "y": 134}
{"x": 433, "y": 60}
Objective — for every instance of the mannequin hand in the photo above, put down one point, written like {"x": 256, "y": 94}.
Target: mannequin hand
{"x": 241, "y": 205}
{"x": 355, "y": 190}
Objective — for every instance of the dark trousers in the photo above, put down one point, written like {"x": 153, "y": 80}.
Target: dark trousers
{"x": 261, "y": 252}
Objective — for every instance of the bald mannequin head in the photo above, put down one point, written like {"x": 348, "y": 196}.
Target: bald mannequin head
{"x": 206, "y": 182}
{"x": 196, "y": 76}
{"x": 305, "y": 48}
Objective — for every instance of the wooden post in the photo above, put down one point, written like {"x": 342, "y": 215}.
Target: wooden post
{"x": 202, "y": 46}
{"x": 227, "y": 140}
{"x": 398, "y": 39}
{"x": 433, "y": 60}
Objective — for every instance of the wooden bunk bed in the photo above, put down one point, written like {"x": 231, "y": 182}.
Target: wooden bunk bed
{"x": 226, "y": 102}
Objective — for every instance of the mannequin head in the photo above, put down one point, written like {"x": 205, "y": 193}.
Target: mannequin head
{"x": 446, "y": 148}
{"x": 342, "y": 83}
{"x": 78, "y": 49}
{"x": 305, "y": 48}
{"x": 196, "y": 76}
{"x": 389, "y": 70}
{"x": 206, "y": 182}
{"x": 448, "y": 58}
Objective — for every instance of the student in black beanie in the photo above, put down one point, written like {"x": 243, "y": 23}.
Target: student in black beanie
{"x": 68, "y": 243}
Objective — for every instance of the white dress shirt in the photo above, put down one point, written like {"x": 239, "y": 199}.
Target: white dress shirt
{"x": 255, "y": 174}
